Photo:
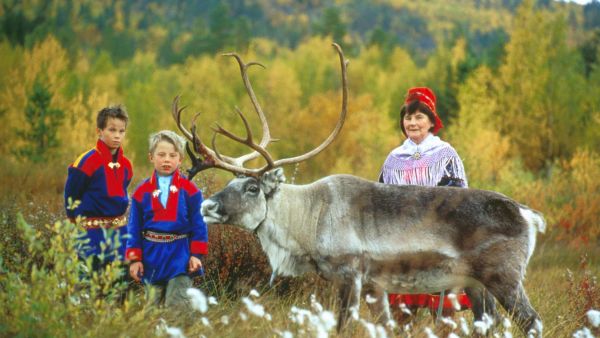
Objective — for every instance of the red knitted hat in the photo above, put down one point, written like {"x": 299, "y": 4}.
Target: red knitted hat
{"x": 427, "y": 97}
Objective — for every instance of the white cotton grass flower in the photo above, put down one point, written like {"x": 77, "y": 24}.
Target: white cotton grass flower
{"x": 243, "y": 316}
{"x": 174, "y": 332}
{"x": 327, "y": 320}
{"x": 370, "y": 299}
{"x": 375, "y": 331}
{"x": 354, "y": 312}
{"x": 205, "y": 321}
{"x": 75, "y": 300}
{"x": 583, "y": 333}
{"x": 298, "y": 315}
{"x": 430, "y": 333}
{"x": 225, "y": 320}
{"x": 254, "y": 293}
{"x": 316, "y": 306}
{"x": 454, "y": 301}
{"x": 254, "y": 308}
{"x": 162, "y": 328}
{"x": 287, "y": 334}
{"x": 449, "y": 322}
{"x": 464, "y": 327}
{"x": 482, "y": 326}
{"x": 453, "y": 335}
{"x": 370, "y": 327}
{"x": 212, "y": 301}
{"x": 198, "y": 300}
{"x": 284, "y": 334}
{"x": 320, "y": 323}
{"x": 593, "y": 317}
{"x": 405, "y": 309}
{"x": 506, "y": 324}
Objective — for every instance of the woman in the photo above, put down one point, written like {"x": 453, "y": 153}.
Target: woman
{"x": 423, "y": 159}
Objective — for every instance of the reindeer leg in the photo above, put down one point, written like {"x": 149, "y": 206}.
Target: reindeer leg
{"x": 349, "y": 294}
{"x": 514, "y": 300}
{"x": 483, "y": 302}
{"x": 378, "y": 304}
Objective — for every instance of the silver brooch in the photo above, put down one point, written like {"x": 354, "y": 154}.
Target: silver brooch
{"x": 416, "y": 155}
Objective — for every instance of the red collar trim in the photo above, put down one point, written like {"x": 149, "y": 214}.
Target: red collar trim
{"x": 170, "y": 212}
{"x": 105, "y": 153}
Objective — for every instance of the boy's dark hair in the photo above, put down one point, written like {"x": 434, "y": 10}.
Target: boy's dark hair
{"x": 411, "y": 108}
{"x": 117, "y": 112}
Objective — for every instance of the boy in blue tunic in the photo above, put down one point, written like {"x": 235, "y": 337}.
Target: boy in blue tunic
{"x": 96, "y": 188}
{"x": 167, "y": 236}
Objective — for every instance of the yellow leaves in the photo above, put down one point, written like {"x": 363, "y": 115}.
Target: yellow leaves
{"x": 584, "y": 167}
{"x": 474, "y": 134}
{"x": 49, "y": 58}
{"x": 119, "y": 24}
{"x": 81, "y": 121}
{"x": 458, "y": 53}
{"x": 361, "y": 147}
{"x": 281, "y": 90}
{"x": 46, "y": 60}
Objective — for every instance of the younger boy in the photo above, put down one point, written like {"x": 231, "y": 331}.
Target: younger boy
{"x": 167, "y": 236}
{"x": 96, "y": 187}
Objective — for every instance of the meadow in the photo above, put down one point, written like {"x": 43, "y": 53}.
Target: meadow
{"x": 44, "y": 296}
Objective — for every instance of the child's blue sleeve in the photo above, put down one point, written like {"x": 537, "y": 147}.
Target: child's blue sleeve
{"x": 199, "y": 233}
{"x": 77, "y": 183}
{"x": 134, "y": 231}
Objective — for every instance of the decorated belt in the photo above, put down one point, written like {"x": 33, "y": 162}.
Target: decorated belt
{"x": 162, "y": 237}
{"x": 101, "y": 222}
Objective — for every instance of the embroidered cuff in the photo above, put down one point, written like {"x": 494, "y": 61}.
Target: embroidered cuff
{"x": 133, "y": 254}
{"x": 198, "y": 247}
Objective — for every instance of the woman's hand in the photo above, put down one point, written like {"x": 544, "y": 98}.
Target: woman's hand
{"x": 136, "y": 271}
{"x": 194, "y": 264}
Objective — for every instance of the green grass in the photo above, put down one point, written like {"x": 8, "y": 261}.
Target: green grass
{"x": 48, "y": 299}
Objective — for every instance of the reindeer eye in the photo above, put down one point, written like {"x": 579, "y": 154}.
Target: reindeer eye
{"x": 252, "y": 188}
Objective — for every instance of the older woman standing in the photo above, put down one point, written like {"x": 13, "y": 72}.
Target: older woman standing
{"x": 423, "y": 159}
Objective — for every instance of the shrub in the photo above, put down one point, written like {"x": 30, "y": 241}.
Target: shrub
{"x": 53, "y": 289}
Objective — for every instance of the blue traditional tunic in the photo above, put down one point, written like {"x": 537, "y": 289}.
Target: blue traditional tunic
{"x": 99, "y": 180}
{"x": 164, "y": 238}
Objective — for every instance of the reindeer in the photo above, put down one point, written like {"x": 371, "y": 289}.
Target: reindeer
{"x": 371, "y": 237}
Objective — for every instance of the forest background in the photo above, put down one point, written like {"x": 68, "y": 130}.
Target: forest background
{"x": 518, "y": 87}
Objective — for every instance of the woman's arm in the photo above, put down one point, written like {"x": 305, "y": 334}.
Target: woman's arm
{"x": 454, "y": 175}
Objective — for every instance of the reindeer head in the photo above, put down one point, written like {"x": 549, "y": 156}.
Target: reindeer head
{"x": 243, "y": 202}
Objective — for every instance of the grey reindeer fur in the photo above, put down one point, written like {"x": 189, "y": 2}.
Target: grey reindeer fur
{"x": 364, "y": 235}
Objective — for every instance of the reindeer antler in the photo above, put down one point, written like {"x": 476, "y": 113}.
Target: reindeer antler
{"x": 210, "y": 158}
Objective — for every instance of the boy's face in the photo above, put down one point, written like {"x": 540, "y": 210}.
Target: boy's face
{"x": 113, "y": 133}
{"x": 165, "y": 158}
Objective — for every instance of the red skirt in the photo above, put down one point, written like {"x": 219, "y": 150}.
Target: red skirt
{"x": 431, "y": 301}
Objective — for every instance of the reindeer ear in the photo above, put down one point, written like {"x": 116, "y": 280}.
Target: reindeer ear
{"x": 271, "y": 179}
